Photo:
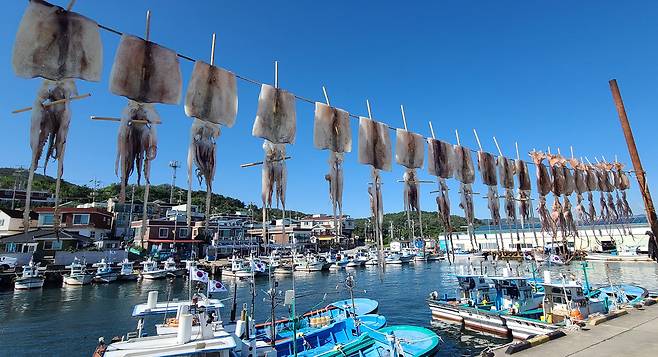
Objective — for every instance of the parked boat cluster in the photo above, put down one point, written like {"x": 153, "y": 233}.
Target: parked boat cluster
{"x": 513, "y": 306}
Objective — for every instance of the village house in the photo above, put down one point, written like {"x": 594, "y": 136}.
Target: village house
{"x": 94, "y": 223}
{"x": 11, "y": 221}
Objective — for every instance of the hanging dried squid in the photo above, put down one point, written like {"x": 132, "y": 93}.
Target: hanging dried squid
{"x": 58, "y": 46}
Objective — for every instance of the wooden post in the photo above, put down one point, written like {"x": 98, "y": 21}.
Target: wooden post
{"x": 635, "y": 158}
{"x": 326, "y": 97}
{"x": 369, "y": 112}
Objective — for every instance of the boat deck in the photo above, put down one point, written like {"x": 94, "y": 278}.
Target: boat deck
{"x": 630, "y": 335}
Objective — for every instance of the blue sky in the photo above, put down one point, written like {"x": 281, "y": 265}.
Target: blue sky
{"x": 528, "y": 71}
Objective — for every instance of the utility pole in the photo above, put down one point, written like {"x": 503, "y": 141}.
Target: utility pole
{"x": 17, "y": 174}
{"x": 174, "y": 164}
{"x": 635, "y": 158}
{"x": 95, "y": 184}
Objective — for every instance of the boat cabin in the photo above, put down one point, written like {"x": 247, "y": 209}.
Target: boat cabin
{"x": 515, "y": 295}
{"x": 474, "y": 289}
{"x": 568, "y": 300}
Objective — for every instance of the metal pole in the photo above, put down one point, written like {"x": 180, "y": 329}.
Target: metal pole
{"x": 635, "y": 158}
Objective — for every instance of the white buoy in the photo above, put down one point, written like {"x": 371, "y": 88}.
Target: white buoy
{"x": 184, "y": 329}
{"x": 547, "y": 277}
{"x": 239, "y": 328}
{"x": 152, "y": 300}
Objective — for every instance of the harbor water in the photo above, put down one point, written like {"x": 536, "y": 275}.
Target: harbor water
{"x": 67, "y": 321}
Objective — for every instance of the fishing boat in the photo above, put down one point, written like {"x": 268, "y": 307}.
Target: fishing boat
{"x": 239, "y": 269}
{"x": 309, "y": 263}
{"x": 372, "y": 258}
{"x": 508, "y": 308}
{"x": 393, "y": 259}
{"x": 30, "y": 277}
{"x": 464, "y": 255}
{"x": 399, "y": 341}
{"x": 283, "y": 269}
{"x": 353, "y": 262}
{"x": 362, "y": 257}
{"x": 407, "y": 255}
{"x": 78, "y": 274}
{"x": 329, "y": 336}
{"x": 104, "y": 272}
{"x": 151, "y": 270}
{"x": 209, "y": 338}
{"x": 622, "y": 294}
{"x": 172, "y": 269}
{"x": 626, "y": 254}
{"x": 126, "y": 272}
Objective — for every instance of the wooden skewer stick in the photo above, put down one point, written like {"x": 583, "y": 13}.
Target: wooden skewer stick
{"x": 571, "y": 148}
{"x": 404, "y": 118}
{"x": 59, "y": 101}
{"x": 276, "y": 74}
{"x": 138, "y": 121}
{"x": 549, "y": 150}
{"x": 369, "y": 112}
{"x": 432, "y": 130}
{"x": 261, "y": 162}
{"x": 148, "y": 24}
{"x": 478, "y": 139}
{"x": 518, "y": 157}
{"x": 558, "y": 152}
{"x": 457, "y": 135}
{"x": 417, "y": 181}
{"x": 70, "y": 5}
{"x": 498, "y": 146}
{"x": 326, "y": 97}
{"x": 212, "y": 50}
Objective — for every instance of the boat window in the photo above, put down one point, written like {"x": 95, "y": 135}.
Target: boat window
{"x": 182, "y": 232}
{"x": 163, "y": 232}
{"x": 558, "y": 300}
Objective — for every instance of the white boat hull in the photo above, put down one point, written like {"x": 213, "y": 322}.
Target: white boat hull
{"x": 236, "y": 274}
{"x": 28, "y": 283}
{"x": 153, "y": 275}
{"x": 310, "y": 267}
{"x": 106, "y": 277}
{"x": 128, "y": 277}
{"x": 82, "y": 279}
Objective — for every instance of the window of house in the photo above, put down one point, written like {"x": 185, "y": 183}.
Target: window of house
{"x": 2, "y": 222}
{"x": 163, "y": 233}
{"x": 47, "y": 219}
{"x": 182, "y": 233}
{"x": 80, "y": 219}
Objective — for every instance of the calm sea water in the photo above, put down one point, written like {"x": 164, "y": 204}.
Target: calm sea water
{"x": 67, "y": 321}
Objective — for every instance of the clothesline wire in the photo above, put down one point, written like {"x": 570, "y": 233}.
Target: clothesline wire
{"x": 304, "y": 99}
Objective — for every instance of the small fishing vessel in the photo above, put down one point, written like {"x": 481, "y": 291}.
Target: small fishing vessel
{"x": 126, "y": 272}
{"x": 399, "y": 341}
{"x": 353, "y": 262}
{"x": 172, "y": 269}
{"x": 104, "y": 272}
{"x": 239, "y": 269}
{"x": 464, "y": 255}
{"x": 626, "y": 254}
{"x": 209, "y": 338}
{"x": 151, "y": 270}
{"x": 393, "y": 259}
{"x": 30, "y": 277}
{"x": 362, "y": 257}
{"x": 78, "y": 274}
{"x": 407, "y": 255}
{"x": 309, "y": 263}
{"x": 622, "y": 294}
{"x": 328, "y": 337}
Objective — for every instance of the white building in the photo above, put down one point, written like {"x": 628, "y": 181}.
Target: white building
{"x": 11, "y": 221}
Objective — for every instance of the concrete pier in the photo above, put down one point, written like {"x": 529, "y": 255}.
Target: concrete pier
{"x": 634, "y": 334}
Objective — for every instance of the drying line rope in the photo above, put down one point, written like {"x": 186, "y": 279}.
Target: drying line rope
{"x": 253, "y": 81}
